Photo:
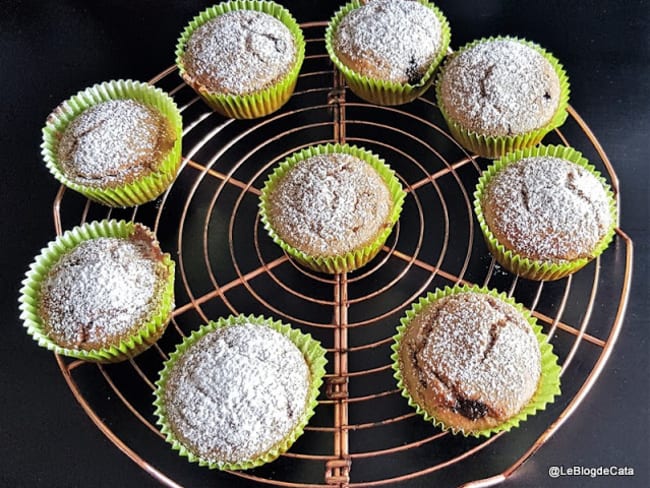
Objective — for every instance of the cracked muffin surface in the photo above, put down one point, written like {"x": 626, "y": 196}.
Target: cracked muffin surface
{"x": 470, "y": 360}
{"x": 240, "y": 52}
{"x": 500, "y": 87}
{"x": 547, "y": 208}
{"x": 389, "y": 40}
{"x": 114, "y": 143}
{"x": 330, "y": 204}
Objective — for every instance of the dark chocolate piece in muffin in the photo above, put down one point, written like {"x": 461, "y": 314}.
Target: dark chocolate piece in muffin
{"x": 113, "y": 143}
{"x": 470, "y": 360}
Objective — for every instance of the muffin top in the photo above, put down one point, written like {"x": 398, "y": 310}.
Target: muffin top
{"x": 547, "y": 209}
{"x": 236, "y": 393}
{"x": 113, "y": 143}
{"x": 102, "y": 291}
{"x": 240, "y": 52}
{"x": 500, "y": 87}
{"x": 391, "y": 40}
{"x": 471, "y": 360}
{"x": 328, "y": 205}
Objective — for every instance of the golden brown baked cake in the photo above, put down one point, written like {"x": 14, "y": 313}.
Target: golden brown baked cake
{"x": 390, "y": 40}
{"x": 470, "y": 360}
{"x": 102, "y": 291}
{"x": 499, "y": 87}
{"x": 114, "y": 143}
{"x": 329, "y": 205}
{"x": 240, "y": 52}
{"x": 547, "y": 209}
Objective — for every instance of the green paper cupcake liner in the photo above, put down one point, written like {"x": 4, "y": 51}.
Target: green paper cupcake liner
{"x": 143, "y": 189}
{"x": 549, "y": 383}
{"x": 259, "y": 103}
{"x": 314, "y": 355}
{"x": 529, "y": 268}
{"x": 383, "y": 92}
{"x": 29, "y": 299}
{"x": 495, "y": 146}
{"x": 353, "y": 259}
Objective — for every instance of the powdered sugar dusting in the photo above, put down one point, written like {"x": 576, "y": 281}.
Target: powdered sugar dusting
{"x": 393, "y": 40}
{"x": 547, "y": 208}
{"x": 236, "y": 393}
{"x": 500, "y": 87}
{"x": 99, "y": 292}
{"x": 112, "y": 142}
{"x": 330, "y": 204}
{"x": 476, "y": 348}
{"x": 240, "y": 52}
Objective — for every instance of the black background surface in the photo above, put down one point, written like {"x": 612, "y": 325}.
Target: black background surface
{"x": 49, "y": 50}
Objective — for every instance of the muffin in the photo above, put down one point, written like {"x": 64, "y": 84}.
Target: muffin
{"x": 243, "y": 59}
{"x": 545, "y": 212}
{"x": 238, "y": 392}
{"x": 502, "y": 94}
{"x": 331, "y": 207}
{"x": 100, "y": 292}
{"x": 473, "y": 361}
{"x": 117, "y": 143}
{"x": 388, "y": 49}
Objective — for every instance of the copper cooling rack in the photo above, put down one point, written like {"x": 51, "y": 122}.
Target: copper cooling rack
{"x": 363, "y": 432}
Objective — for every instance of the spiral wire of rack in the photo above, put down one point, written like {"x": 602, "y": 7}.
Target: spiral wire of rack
{"x": 363, "y": 432}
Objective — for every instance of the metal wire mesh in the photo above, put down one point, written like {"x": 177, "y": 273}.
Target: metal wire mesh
{"x": 363, "y": 432}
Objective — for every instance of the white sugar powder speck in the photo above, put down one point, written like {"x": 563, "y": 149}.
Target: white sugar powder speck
{"x": 236, "y": 392}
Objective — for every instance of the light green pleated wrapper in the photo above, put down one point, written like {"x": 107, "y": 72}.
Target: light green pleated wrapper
{"x": 144, "y": 337}
{"x": 490, "y": 146}
{"x": 384, "y": 92}
{"x": 142, "y": 189}
{"x": 258, "y": 103}
{"x": 353, "y": 259}
{"x": 549, "y": 383}
{"x": 314, "y": 355}
{"x": 529, "y": 268}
